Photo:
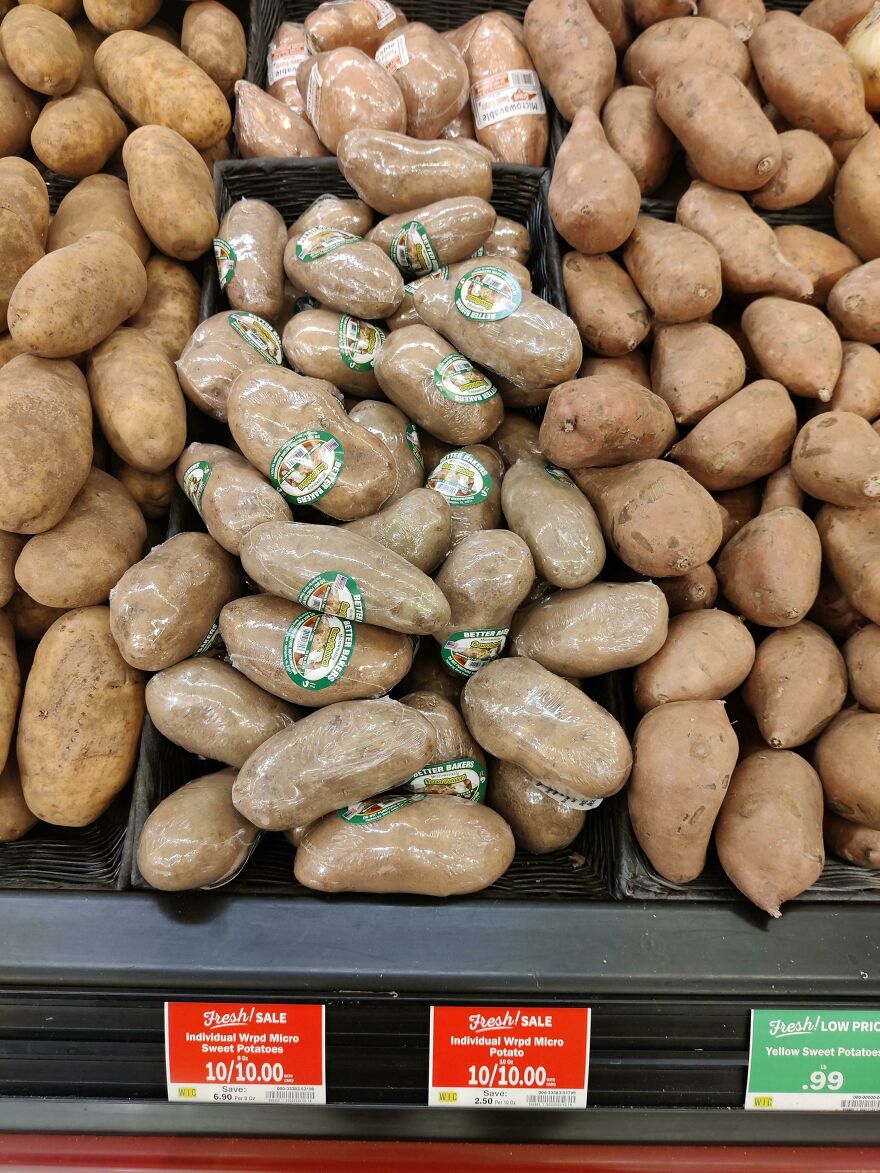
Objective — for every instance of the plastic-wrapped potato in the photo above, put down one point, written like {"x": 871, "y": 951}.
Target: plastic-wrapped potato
{"x": 343, "y": 574}
{"x": 458, "y": 767}
{"x": 287, "y": 50}
{"x": 361, "y": 23}
{"x": 337, "y": 347}
{"x": 345, "y": 88}
{"x": 344, "y": 272}
{"x": 219, "y": 350}
{"x": 195, "y": 838}
{"x": 330, "y": 211}
{"x": 428, "y": 674}
{"x": 432, "y": 76}
{"x": 229, "y": 494}
{"x": 508, "y": 239}
{"x": 311, "y": 659}
{"x": 516, "y": 438}
{"x": 540, "y": 822}
{"x": 209, "y": 709}
{"x": 294, "y": 430}
{"x": 470, "y": 480}
{"x": 426, "y": 845}
{"x": 267, "y": 128}
{"x": 422, "y": 240}
{"x": 249, "y": 249}
{"x": 343, "y": 754}
{"x": 406, "y": 315}
{"x": 418, "y": 526}
{"x": 506, "y": 96}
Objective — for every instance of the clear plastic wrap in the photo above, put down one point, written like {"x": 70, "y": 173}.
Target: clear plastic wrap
{"x": 432, "y": 76}
{"x": 520, "y": 712}
{"x": 343, "y": 754}
{"x": 249, "y": 250}
{"x": 219, "y": 350}
{"x": 337, "y": 347}
{"x": 405, "y": 314}
{"x": 558, "y": 524}
{"x": 338, "y": 573}
{"x": 211, "y": 710}
{"x": 509, "y": 239}
{"x": 267, "y": 128}
{"x": 401, "y": 439}
{"x": 470, "y": 480}
{"x": 485, "y": 578}
{"x": 195, "y": 838}
{"x": 458, "y": 768}
{"x": 15, "y": 817}
{"x": 344, "y": 272}
{"x": 361, "y": 23}
{"x": 540, "y": 822}
{"x": 425, "y": 845}
{"x": 344, "y": 89}
{"x": 516, "y": 438}
{"x": 491, "y": 319}
{"x": 310, "y": 658}
{"x": 230, "y": 495}
{"x": 461, "y": 36}
{"x": 330, "y": 211}
{"x": 460, "y": 127}
{"x": 424, "y": 239}
{"x": 418, "y": 527}
{"x": 287, "y": 50}
{"x": 164, "y": 609}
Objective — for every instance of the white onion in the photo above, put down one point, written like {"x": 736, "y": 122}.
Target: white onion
{"x": 863, "y": 46}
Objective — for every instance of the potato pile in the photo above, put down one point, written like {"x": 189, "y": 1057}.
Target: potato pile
{"x": 360, "y": 64}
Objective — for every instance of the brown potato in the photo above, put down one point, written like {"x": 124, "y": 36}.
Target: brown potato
{"x": 797, "y": 685}
{"x": 344, "y": 273}
{"x": 392, "y": 172}
{"x": 195, "y": 838}
{"x": 266, "y": 127}
{"x": 636, "y": 132}
{"x": 851, "y": 546}
{"x": 211, "y": 710}
{"x": 684, "y": 39}
{"x": 769, "y": 830}
{"x": 855, "y": 211}
{"x": 80, "y": 560}
{"x": 362, "y": 24}
{"x": 594, "y": 198}
{"x": 213, "y": 37}
{"x": 510, "y": 118}
{"x": 640, "y": 504}
{"x": 250, "y": 252}
{"x": 432, "y": 76}
{"x": 847, "y": 757}
{"x": 676, "y": 271}
{"x": 400, "y": 438}
{"x": 794, "y": 343}
{"x": 15, "y": 818}
{"x": 45, "y": 442}
{"x": 694, "y": 98}
{"x": 154, "y": 84}
{"x": 23, "y": 191}
{"x": 10, "y": 687}
{"x": 694, "y": 368}
{"x": 601, "y": 421}
{"x": 152, "y": 491}
{"x": 540, "y": 822}
{"x": 98, "y": 203}
{"x": 823, "y": 258}
{"x": 854, "y": 304}
{"x": 548, "y": 727}
{"x": 31, "y": 619}
{"x": 516, "y": 438}
{"x": 423, "y": 240}
{"x": 170, "y": 312}
{"x": 75, "y": 135}
{"x": 427, "y": 845}
{"x": 344, "y": 89}
{"x": 40, "y": 49}
{"x": 808, "y": 77}
{"x": 470, "y": 480}
{"x": 110, "y": 16}
{"x": 724, "y": 451}
{"x": 10, "y": 548}
{"x": 836, "y": 458}
{"x": 751, "y": 259}
{"x": 221, "y": 348}
{"x": 603, "y": 301}
{"x": 807, "y": 172}
{"x": 862, "y": 654}
{"x": 572, "y": 52}
{"x": 707, "y": 654}
{"x": 164, "y": 609}
{"x": 684, "y": 754}
{"x": 19, "y": 109}
{"x": 80, "y": 721}
{"x": 857, "y": 845}
{"x": 24, "y": 249}
{"x": 769, "y": 570}
{"x": 418, "y": 526}
{"x": 693, "y": 591}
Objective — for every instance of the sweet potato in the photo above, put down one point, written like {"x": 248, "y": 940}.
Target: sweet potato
{"x": 807, "y": 172}
{"x": 614, "y": 18}
{"x": 648, "y": 12}
{"x": 677, "y": 272}
{"x": 834, "y": 612}
{"x": 769, "y": 570}
{"x": 572, "y": 52}
{"x": 604, "y": 303}
{"x": 693, "y": 591}
{"x": 594, "y": 197}
{"x": 847, "y": 756}
{"x": 642, "y": 504}
{"x": 633, "y": 366}
{"x": 797, "y": 685}
{"x": 695, "y": 367}
{"x": 539, "y": 821}
{"x": 345, "y": 89}
{"x": 503, "y": 77}
{"x": 681, "y": 39}
{"x": 639, "y": 135}
{"x": 769, "y": 831}
{"x": 823, "y": 258}
{"x": 854, "y": 304}
{"x": 795, "y": 344}
{"x": 707, "y": 655}
{"x": 725, "y": 450}
{"x": 737, "y": 507}
{"x": 856, "y": 844}
{"x": 751, "y": 259}
{"x": 836, "y": 17}
{"x": 836, "y": 458}
{"x": 781, "y": 489}
{"x": 808, "y": 77}
{"x": 851, "y": 545}
{"x": 602, "y": 421}
{"x": 742, "y": 17}
{"x": 726, "y": 134}
{"x": 862, "y": 654}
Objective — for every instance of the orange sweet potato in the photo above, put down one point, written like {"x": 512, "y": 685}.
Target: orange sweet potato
{"x": 862, "y": 655}
{"x": 737, "y": 507}
{"x": 676, "y": 271}
{"x": 836, "y": 17}
{"x": 851, "y": 545}
{"x": 521, "y": 137}
{"x": 680, "y": 39}
{"x": 693, "y": 591}
{"x": 604, "y": 304}
{"x": 781, "y": 489}
{"x": 847, "y": 756}
{"x": 639, "y": 135}
{"x": 572, "y": 52}
{"x": 836, "y": 458}
{"x": 807, "y": 172}
{"x": 854, "y": 304}
{"x": 856, "y": 844}
{"x": 823, "y": 258}
{"x": 795, "y": 344}
{"x": 695, "y": 367}
{"x": 856, "y": 209}
{"x": 633, "y": 366}
{"x": 742, "y": 17}
{"x": 707, "y": 655}
{"x": 769, "y": 570}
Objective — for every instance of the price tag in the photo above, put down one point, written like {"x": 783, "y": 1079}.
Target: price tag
{"x": 817, "y": 1060}
{"x": 509, "y": 1057}
{"x": 245, "y": 1052}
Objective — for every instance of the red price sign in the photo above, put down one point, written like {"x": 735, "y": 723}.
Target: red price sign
{"x": 245, "y": 1052}
{"x": 509, "y": 1056}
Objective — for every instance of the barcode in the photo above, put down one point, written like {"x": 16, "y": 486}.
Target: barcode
{"x": 551, "y": 1100}
{"x": 298, "y": 1095}
{"x": 860, "y": 1103}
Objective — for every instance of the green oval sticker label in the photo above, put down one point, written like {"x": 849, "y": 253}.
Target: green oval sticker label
{"x": 333, "y": 593}
{"x": 487, "y": 294}
{"x": 438, "y": 275}
{"x": 317, "y": 242}
{"x": 224, "y": 254}
{"x": 359, "y": 342}
{"x": 373, "y": 809}
{"x": 307, "y": 466}
{"x": 459, "y": 380}
{"x": 411, "y": 249}
{"x": 414, "y": 443}
{"x": 259, "y": 334}
{"x": 465, "y": 652}
{"x": 462, "y": 777}
{"x": 461, "y": 478}
{"x": 212, "y": 640}
{"x": 316, "y": 649}
{"x": 558, "y": 475}
{"x": 194, "y": 480}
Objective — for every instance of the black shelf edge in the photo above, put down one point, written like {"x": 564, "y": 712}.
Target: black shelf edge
{"x": 250, "y": 945}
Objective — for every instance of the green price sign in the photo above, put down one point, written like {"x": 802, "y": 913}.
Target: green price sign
{"x": 814, "y": 1060}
